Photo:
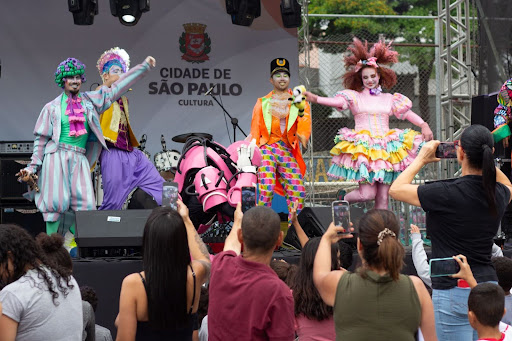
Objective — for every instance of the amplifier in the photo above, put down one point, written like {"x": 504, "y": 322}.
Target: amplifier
{"x": 25, "y": 215}
{"x": 10, "y": 189}
{"x": 16, "y": 147}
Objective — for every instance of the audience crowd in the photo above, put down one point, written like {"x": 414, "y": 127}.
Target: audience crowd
{"x": 242, "y": 293}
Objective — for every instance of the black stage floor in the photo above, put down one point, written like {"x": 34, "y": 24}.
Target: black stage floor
{"x": 105, "y": 275}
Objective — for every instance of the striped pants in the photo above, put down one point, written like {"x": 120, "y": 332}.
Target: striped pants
{"x": 278, "y": 159}
{"x": 64, "y": 183}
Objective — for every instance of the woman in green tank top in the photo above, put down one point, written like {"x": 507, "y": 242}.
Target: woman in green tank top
{"x": 376, "y": 302}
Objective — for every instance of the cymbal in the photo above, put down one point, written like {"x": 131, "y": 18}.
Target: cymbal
{"x": 182, "y": 138}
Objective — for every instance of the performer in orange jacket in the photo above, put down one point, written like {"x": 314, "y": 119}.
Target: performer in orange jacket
{"x": 278, "y": 127}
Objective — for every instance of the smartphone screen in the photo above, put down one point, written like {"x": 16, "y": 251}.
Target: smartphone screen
{"x": 170, "y": 194}
{"x": 248, "y": 198}
{"x": 446, "y": 150}
{"x": 341, "y": 214}
{"x": 443, "y": 267}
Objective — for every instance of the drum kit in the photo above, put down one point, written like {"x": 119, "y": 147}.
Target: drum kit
{"x": 165, "y": 161}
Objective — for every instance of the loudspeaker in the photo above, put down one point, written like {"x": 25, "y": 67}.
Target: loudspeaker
{"x": 26, "y": 216}
{"x": 110, "y": 233}
{"x": 315, "y": 221}
{"x": 290, "y": 13}
{"x": 10, "y": 188}
{"x": 243, "y": 12}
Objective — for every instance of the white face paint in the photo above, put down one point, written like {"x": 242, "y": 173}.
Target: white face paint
{"x": 370, "y": 77}
{"x": 72, "y": 84}
{"x": 280, "y": 81}
{"x": 115, "y": 70}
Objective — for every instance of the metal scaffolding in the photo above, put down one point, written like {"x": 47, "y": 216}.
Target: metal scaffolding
{"x": 454, "y": 70}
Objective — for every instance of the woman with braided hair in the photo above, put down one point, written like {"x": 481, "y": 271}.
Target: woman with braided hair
{"x": 371, "y": 153}
{"x": 41, "y": 300}
{"x": 376, "y": 302}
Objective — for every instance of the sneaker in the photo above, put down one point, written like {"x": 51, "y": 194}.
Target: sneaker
{"x": 69, "y": 241}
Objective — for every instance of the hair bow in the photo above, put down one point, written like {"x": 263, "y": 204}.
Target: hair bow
{"x": 372, "y": 61}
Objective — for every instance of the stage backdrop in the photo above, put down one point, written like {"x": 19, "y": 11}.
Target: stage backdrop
{"x": 195, "y": 46}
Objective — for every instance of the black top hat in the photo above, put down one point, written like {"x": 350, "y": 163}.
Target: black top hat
{"x": 279, "y": 64}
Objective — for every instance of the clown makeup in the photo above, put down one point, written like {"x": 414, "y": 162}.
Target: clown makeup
{"x": 72, "y": 84}
{"x": 115, "y": 70}
{"x": 280, "y": 81}
{"x": 370, "y": 78}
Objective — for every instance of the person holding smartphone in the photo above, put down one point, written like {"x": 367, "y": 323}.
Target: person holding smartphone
{"x": 376, "y": 302}
{"x": 463, "y": 216}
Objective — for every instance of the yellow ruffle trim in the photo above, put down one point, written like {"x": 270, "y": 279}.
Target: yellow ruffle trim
{"x": 348, "y": 147}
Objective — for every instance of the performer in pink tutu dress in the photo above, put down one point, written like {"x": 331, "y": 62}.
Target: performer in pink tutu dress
{"x": 372, "y": 154}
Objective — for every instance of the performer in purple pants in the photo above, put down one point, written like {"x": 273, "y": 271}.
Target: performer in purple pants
{"x": 123, "y": 167}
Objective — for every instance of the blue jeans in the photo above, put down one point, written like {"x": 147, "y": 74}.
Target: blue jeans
{"x": 451, "y": 314}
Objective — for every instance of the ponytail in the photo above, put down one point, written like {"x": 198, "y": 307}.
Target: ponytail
{"x": 391, "y": 255}
{"x": 477, "y": 143}
{"x": 489, "y": 178}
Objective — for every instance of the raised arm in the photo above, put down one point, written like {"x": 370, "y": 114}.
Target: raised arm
{"x": 198, "y": 249}
{"x": 232, "y": 243}
{"x": 339, "y": 102}
{"x": 401, "y": 189}
{"x": 419, "y": 256}
{"x": 103, "y": 98}
{"x": 325, "y": 279}
{"x": 303, "y": 237}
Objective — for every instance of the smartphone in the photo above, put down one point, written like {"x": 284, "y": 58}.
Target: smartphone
{"x": 446, "y": 150}
{"x": 341, "y": 214}
{"x": 443, "y": 267}
{"x": 170, "y": 194}
{"x": 248, "y": 197}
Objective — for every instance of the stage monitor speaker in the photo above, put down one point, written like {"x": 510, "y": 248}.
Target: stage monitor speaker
{"x": 315, "y": 221}
{"x": 110, "y": 233}
{"x": 245, "y": 12}
{"x": 26, "y": 216}
{"x": 10, "y": 189}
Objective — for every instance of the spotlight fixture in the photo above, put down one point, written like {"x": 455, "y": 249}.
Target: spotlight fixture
{"x": 290, "y": 13}
{"x": 83, "y": 11}
{"x": 128, "y": 11}
{"x": 243, "y": 12}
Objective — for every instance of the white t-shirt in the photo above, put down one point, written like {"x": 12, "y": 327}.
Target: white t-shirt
{"x": 29, "y": 302}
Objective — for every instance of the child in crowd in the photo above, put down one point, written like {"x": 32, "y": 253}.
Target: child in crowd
{"x": 503, "y": 266}
{"x": 486, "y": 306}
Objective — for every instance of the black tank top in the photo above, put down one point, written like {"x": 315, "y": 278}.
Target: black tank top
{"x": 145, "y": 332}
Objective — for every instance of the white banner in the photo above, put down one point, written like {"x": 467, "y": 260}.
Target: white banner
{"x": 195, "y": 46}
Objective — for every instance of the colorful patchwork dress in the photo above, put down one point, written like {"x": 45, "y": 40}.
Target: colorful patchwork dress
{"x": 503, "y": 112}
{"x": 372, "y": 152}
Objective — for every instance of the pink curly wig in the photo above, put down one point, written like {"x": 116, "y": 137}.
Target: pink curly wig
{"x": 358, "y": 51}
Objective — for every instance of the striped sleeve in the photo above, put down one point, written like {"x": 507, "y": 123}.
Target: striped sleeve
{"x": 104, "y": 96}
{"x": 400, "y": 106}
{"x": 43, "y": 132}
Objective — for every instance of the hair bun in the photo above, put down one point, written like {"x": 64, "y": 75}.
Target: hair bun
{"x": 50, "y": 243}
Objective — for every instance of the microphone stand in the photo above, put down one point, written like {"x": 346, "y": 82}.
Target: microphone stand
{"x": 234, "y": 120}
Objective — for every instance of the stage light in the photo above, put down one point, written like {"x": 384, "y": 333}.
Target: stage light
{"x": 243, "y": 12}
{"x": 128, "y": 11}
{"x": 83, "y": 11}
{"x": 290, "y": 13}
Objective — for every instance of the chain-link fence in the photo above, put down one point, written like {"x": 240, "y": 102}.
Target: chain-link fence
{"x": 414, "y": 39}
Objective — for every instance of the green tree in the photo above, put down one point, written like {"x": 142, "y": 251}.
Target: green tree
{"x": 406, "y": 32}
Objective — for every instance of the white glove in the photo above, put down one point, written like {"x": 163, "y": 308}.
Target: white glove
{"x": 245, "y": 153}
